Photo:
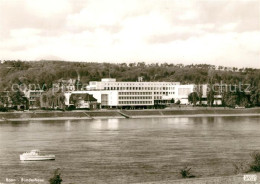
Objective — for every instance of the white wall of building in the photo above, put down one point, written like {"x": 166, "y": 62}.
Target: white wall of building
{"x": 137, "y": 93}
{"x": 134, "y": 93}
{"x": 112, "y": 96}
{"x": 182, "y": 92}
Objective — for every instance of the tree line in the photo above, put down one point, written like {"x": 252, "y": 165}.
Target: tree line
{"x": 46, "y": 73}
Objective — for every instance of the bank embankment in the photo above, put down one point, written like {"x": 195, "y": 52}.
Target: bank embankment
{"x": 191, "y": 113}
{"x": 110, "y": 114}
{"x": 57, "y": 115}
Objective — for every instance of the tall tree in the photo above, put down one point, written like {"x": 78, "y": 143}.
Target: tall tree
{"x": 193, "y": 98}
{"x": 18, "y": 98}
{"x": 210, "y": 96}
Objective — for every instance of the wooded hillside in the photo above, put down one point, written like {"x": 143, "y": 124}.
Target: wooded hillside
{"x": 47, "y": 72}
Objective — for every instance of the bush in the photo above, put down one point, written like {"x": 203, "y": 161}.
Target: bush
{"x": 56, "y": 179}
{"x": 185, "y": 173}
{"x": 178, "y": 102}
{"x": 241, "y": 167}
{"x": 3, "y": 109}
{"x": 71, "y": 107}
{"x": 255, "y": 165}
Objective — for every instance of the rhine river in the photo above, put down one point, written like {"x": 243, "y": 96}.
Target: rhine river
{"x": 128, "y": 150}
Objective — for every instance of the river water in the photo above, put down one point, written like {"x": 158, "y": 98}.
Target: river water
{"x": 128, "y": 150}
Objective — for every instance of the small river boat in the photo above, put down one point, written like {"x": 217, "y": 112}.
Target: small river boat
{"x": 34, "y": 155}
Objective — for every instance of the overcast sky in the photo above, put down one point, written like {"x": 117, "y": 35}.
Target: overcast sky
{"x": 214, "y": 31}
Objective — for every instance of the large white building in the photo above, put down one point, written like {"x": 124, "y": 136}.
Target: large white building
{"x": 110, "y": 93}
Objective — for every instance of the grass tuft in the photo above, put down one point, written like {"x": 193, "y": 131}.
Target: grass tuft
{"x": 255, "y": 164}
{"x": 185, "y": 173}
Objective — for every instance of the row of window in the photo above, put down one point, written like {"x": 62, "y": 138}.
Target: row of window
{"x": 146, "y": 93}
{"x": 138, "y": 88}
{"x": 135, "y": 102}
{"x": 139, "y": 97}
{"x": 136, "y": 84}
{"x": 134, "y": 97}
{"x": 164, "y": 93}
{"x": 135, "y": 93}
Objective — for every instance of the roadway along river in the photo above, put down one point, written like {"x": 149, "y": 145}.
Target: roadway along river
{"x": 128, "y": 150}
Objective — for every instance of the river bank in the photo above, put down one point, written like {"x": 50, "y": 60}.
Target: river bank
{"x": 111, "y": 114}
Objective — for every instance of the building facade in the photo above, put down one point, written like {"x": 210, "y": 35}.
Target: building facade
{"x": 34, "y": 98}
{"x": 110, "y": 93}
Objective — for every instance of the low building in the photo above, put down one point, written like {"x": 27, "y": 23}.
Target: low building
{"x": 34, "y": 98}
{"x": 204, "y": 90}
{"x": 182, "y": 92}
{"x": 5, "y": 100}
{"x": 83, "y": 101}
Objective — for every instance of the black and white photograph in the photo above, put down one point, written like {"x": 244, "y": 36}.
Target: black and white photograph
{"x": 130, "y": 91}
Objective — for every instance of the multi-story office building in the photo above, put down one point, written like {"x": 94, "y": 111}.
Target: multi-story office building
{"x": 110, "y": 93}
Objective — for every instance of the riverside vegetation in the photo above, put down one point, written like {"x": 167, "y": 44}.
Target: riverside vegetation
{"x": 45, "y": 73}
{"x": 241, "y": 167}
{"x": 249, "y": 166}
{"x": 56, "y": 179}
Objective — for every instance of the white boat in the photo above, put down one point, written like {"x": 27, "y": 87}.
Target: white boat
{"x": 35, "y": 155}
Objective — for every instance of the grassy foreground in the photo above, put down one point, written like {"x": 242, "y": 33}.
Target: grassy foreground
{"x": 235, "y": 179}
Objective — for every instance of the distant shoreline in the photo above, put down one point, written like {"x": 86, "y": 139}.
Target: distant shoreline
{"x": 117, "y": 114}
